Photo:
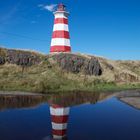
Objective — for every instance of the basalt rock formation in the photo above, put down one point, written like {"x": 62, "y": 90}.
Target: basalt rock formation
{"x": 18, "y": 57}
{"x": 74, "y": 63}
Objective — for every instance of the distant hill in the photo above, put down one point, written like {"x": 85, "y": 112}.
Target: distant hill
{"x": 32, "y": 71}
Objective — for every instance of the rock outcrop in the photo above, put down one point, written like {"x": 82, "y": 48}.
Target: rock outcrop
{"x": 124, "y": 76}
{"x": 2, "y": 60}
{"x": 75, "y": 63}
{"x": 18, "y": 57}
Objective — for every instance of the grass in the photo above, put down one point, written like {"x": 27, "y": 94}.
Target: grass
{"x": 41, "y": 79}
{"x": 48, "y": 77}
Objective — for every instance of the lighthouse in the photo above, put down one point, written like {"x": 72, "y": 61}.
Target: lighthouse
{"x": 60, "y": 38}
{"x": 59, "y": 120}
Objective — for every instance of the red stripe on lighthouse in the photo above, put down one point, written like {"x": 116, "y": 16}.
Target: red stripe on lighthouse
{"x": 61, "y": 34}
{"x": 59, "y": 119}
{"x": 61, "y": 20}
{"x": 59, "y": 132}
{"x": 60, "y": 49}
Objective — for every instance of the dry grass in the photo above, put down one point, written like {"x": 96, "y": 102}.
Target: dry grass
{"x": 41, "y": 78}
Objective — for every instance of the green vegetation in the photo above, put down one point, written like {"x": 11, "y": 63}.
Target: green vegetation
{"x": 41, "y": 78}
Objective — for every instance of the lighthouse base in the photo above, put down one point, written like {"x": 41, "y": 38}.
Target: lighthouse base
{"x": 57, "y": 49}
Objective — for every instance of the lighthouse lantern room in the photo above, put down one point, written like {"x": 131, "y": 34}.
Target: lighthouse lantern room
{"x": 60, "y": 38}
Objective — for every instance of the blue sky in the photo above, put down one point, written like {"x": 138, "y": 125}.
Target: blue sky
{"x": 108, "y": 28}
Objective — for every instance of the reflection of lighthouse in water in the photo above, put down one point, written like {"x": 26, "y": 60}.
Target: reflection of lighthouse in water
{"x": 60, "y": 110}
{"x": 59, "y": 120}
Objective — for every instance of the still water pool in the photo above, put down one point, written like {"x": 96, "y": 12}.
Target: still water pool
{"x": 77, "y": 116}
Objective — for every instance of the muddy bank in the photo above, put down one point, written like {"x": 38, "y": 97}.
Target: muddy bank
{"x": 132, "y": 98}
{"x": 119, "y": 94}
{"x": 132, "y": 101}
{"x": 129, "y": 93}
{"x": 18, "y": 93}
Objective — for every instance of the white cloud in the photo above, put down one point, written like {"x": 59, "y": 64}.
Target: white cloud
{"x": 50, "y": 7}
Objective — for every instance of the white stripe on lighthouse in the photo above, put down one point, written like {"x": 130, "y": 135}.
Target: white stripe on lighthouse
{"x": 60, "y": 15}
{"x": 59, "y": 111}
{"x": 60, "y": 42}
{"x": 59, "y": 126}
{"x": 58, "y": 137}
{"x": 62, "y": 27}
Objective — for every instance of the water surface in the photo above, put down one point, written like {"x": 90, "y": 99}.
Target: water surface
{"x": 91, "y": 117}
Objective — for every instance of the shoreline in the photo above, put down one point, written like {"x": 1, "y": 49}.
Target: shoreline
{"x": 16, "y": 93}
{"x": 120, "y": 92}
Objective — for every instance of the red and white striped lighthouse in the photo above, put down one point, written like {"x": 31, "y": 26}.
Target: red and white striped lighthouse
{"x": 60, "y": 38}
{"x": 59, "y": 118}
